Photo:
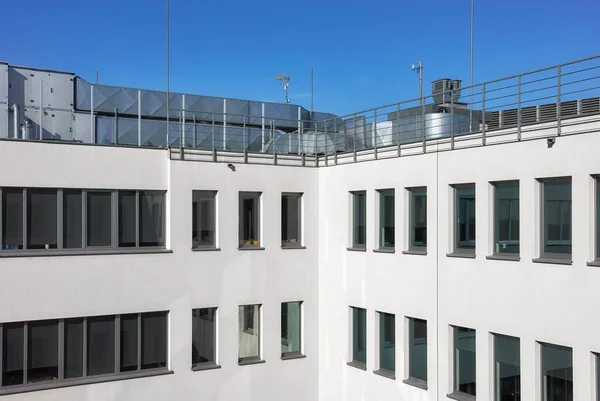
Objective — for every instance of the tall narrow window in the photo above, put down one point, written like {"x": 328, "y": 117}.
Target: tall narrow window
{"x": 506, "y": 217}
{"x": 291, "y": 324}
{"x": 154, "y": 340}
{"x": 598, "y": 220}
{"x": 72, "y": 218}
{"x": 387, "y": 343}
{"x": 129, "y": 342}
{"x": 204, "y": 337}
{"x": 557, "y": 373}
{"x": 152, "y": 219}
{"x": 249, "y": 333}
{"x": 99, "y": 219}
{"x": 13, "y": 351}
{"x": 204, "y": 219}
{"x": 100, "y": 345}
{"x": 12, "y": 218}
{"x": 127, "y": 218}
{"x": 464, "y": 219}
{"x": 417, "y": 351}
{"x": 359, "y": 337}
{"x": 42, "y": 351}
{"x": 73, "y": 344}
{"x": 249, "y": 219}
{"x": 418, "y": 219}
{"x": 507, "y": 368}
{"x": 42, "y": 230}
{"x": 464, "y": 361}
{"x": 359, "y": 219}
{"x": 556, "y": 220}
{"x": 291, "y": 205}
{"x": 386, "y": 219}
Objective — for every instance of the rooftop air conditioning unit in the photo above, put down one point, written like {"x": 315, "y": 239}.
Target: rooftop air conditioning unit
{"x": 446, "y": 90}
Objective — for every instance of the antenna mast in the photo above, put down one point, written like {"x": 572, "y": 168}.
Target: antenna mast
{"x": 285, "y": 81}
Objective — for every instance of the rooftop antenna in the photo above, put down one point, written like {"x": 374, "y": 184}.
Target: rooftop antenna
{"x": 285, "y": 81}
{"x": 419, "y": 69}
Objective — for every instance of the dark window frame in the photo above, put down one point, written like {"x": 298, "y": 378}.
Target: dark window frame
{"x": 214, "y": 346}
{"x": 356, "y": 227}
{"x": 360, "y": 331}
{"x": 415, "y": 192}
{"x": 300, "y": 351}
{"x": 497, "y": 380}
{"x": 455, "y": 363}
{"x": 381, "y": 194}
{"x": 388, "y": 331}
{"x": 245, "y": 328}
{"x": 467, "y": 246}
{"x": 285, "y": 243}
{"x": 243, "y": 243}
{"x": 198, "y": 216}
{"x": 411, "y": 358}
{"x": 543, "y": 346}
{"x": 511, "y": 207}
{"x": 544, "y": 228}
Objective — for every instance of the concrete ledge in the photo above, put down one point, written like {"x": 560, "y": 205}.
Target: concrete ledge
{"x": 385, "y": 373}
{"x": 513, "y": 257}
{"x": 358, "y": 365}
{"x": 411, "y": 381}
{"x": 293, "y": 247}
{"x": 357, "y": 249}
{"x": 461, "y": 255}
{"x": 553, "y": 261}
{"x": 415, "y": 252}
{"x": 292, "y": 355}
{"x": 384, "y": 250}
{"x": 205, "y": 366}
{"x": 250, "y": 361}
{"x": 457, "y": 395}
{"x": 81, "y": 252}
{"x": 251, "y": 248}
{"x": 207, "y": 249}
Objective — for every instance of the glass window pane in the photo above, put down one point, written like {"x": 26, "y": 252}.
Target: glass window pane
{"x": 290, "y": 327}
{"x": 100, "y": 345}
{"x": 557, "y": 373}
{"x": 418, "y": 217}
{"x": 249, "y": 331}
{"x": 359, "y": 231}
{"x": 249, "y": 219}
{"x": 387, "y": 341}
{"x": 42, "y": 351}
{"x": 204, "y": 335}
{"x": 465, "y": 218}
{"x": 72, "y": 218}
{"x": 41, "y": 219}
{"x": 99, "y": 219}
{"x": 506, "y": 217}
{"x": 418, "y": 349}
{"x": 13, "y": 352}
{"x": 129, "y": 342}
{"x": 204, "y": 218}
{"x": 359, "y": 335}
{"x": 73, "y": 348}
{"x": 12, "y": 218}
{"x": 127, "y": 218}
{"x": 507, "y": 358}
{"x": 386, "y": 219}
{"x": 557, "y": 217}
{"x": 152, "y": 218}
{"x": 464, "y": 360}
{"x": 154, "y": 340}
{"x": 290, "y": 219}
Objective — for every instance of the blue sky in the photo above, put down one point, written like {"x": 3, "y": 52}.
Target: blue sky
{"x": 361, "y": 51}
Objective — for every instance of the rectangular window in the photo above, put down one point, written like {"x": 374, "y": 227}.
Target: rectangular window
{"x": 386, "y": 219}
{"x": 13, "y": 352}
{"x": 154, "y": 340}
{"x": 359, "y": 337}
{"x": 42, "y": 224}
{"x": 556, "y": 218}
{"x": 152, "y": 219}
{"x": 464, "y": 361}
{"x": 129, "y": 342}
{"x": 204, "y": 336}
{"x": 464, "y": 218}
{"x": 99, "y": 219}
{"x": 249, "y": 333}
{"x": 42, "y": 351}
{"x": 507, "y": 368}
{"x": 417, "y": 350}
{"x": 127, "y": 218}
{"x": 506, "y": 217}
{"x": 387, "y": 342}
{"x": 557, "y": 373}
{"x": 204, "y": 219}
{"x": 418, "y": 219}
{"x": 598, "y": 219}
{"x": 249, "y": 219}
{"x": 72, "y": 218}
{"x": 12, "y": 218}
{"x": 291, "y": 208}
{"x": 291, "y": 325}
{"x": 100, "y": 345}
{"x": 359, "y": 219}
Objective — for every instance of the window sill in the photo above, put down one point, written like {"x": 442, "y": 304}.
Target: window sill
{"x": 594, "y": 263}
{"x": 461, "y": 255}
{"x": 205, "y": 366}
{"x": 357, "y": 249}
{"x": 384, "y": 250}
{"x": 251, "y": 248}
{"x": 358, "y": 365}
{"x": 457, "y": 395}
{"x": 250, "y": 361}
{"x": 553, "y": 261}
{"x": 411, "y": 381}
{"x": 207, "y": 249}
{"x": 293, "y": 247}
{"x": 81, "y": 252}
{"x": 415, "y": 252}
{"x": 83, "y": 381}
{"x": 292, "y": 355}
{"x": 510, "y": 258}
{"x": 385, "y": 373}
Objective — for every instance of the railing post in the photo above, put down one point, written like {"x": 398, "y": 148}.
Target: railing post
{"x": 213, "y": 147}
{"x": 224, "y": 124}
{"x": 335, "y": 139}
{"x": 423, "y": 124}
{"x": 354, "y": 136}
{"x": 302, "y": 150}
{"x": 115, "y": 128}
{"x": 558, "y": 119}
{"x": 194, "y": 133}
{"x": 92, "y": 117}
{"x": 375, "y": 133}
{"x": 182, "y": 114}
{"x": 181, "y": 136}
{"x": 273, "y": 141}
{"x": 139, "y": 139}
{"x": 519, "y": 107}
{"x": 245, "y": 142}
{"x": 397, "y": 126}
{"x": 452, "y": 119}
{"x": 483, "y": 137}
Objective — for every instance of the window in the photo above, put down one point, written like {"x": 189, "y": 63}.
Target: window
{"x": 359, "y": 337}
{"x": 249, "y": 219}
{"x": 12, "y": 354}
{"x": 464, "y": 361}
{"x": 291, "y": 211}
{"x": 42, "y": 351}
{"x": 12, "y": 218}
{"x": 507, "y": 368}
{"x": 418, "y": 219}
{"x": 152, "y": 211}
{"x": 557, "y": 373}
{"x": 359, "y": 219}
{"x": 249, "y": 333}
{"x": 73, "y": 345}
{"x": 127, "y": 218}
{"x": 204, "y": 219}
{"x": 506, "y": 217}
{"x": 129, "y": 341}
{"x": 154, "y": 340}
{"x": 464, "y": 218}
{"x": 291, "y": 327}
{"x": 387, "y": 342}
{"x": 556, "y": 218}
{"x": 204, "y": 337}
{"x": 417, "y": 350}
{"x": 100, "y": 345}
{"x": 386, "y": 219}
{"x": 99, "y": 218}
{"x": 42, "y": 224}
{"x": 72, "y": 218}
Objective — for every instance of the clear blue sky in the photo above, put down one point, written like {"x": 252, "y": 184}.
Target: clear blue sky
{"x": 361, "y": 50}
